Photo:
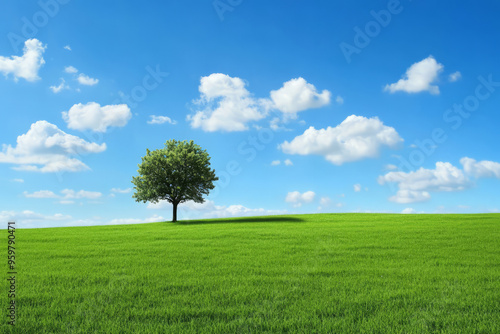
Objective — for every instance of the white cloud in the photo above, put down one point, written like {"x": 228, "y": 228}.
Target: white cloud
{"x": 67, "y": 47}
{"x": 208, "y": 209}
{"x": 416, "y": 186}
{"x": 275, "y": 163}
{"x": 160, "y": 120}
{"x": 30, "y": 219}
{"x": 92, "y": 116}
{"x": 84, "y": 79}
{"x": 71, "y": 194}
{"x": 356, "y": 138}
{"x": 325, "y": 201}
{"x": 70, "y": 69}
{"x": 274, "y": 124}
{"x": 408, "y": 211}
{"x": 298, "y": 95}
{"x": 455, "y": 76}
{"x": 122, "y": 221}
{"x": 40, "y": 194}
{"x": 357, "y": 187}
{"x": 481, "y": 169}
{"x": 410, "y": 196}
{"x": 26, "y": 66}
{"x": 62, "y": 86}
{"x": 228, "y": 105}
{"x": 238, "y": 210}
{"x": 288, "y": 162}
{"x": 66, "y": 194}
{"x": 46, "y": 145}
{"x": 391, "y": 167}
{"x": 297, "y": 199}
{"x": 419, "y": 78}
{"x": 18, "y": 180}
{"x": 121, "y": 191}
{"x": 339, "y": 99}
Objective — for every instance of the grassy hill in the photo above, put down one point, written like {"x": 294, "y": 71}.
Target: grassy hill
{"x": 322, "y": 273}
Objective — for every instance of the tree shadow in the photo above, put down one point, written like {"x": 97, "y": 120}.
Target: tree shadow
{"x": 260, "y": 219}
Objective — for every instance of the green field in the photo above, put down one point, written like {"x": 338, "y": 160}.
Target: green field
{"x": 322, "y": 273}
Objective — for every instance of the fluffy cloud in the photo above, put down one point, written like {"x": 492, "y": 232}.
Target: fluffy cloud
{"x": 18, "y": 180}
{"x": 297, "y": 199}
{"x": 391, "y": 167}
{"x": 84, "y": 79}
{"x": 481, "y": 169}
{"x": 357, "y": 187}
{"x": 455, "y": 76}
{"x": 121, "y": 191}
{"x": 208, "y": 209}
{"x": 67, "y": 47}
{"x": 325, "y": 201}
{"x": 409, "y": 211}
{"x": 66, "y": 195}
{"x": 28, "y": 64}
{"x": 418, "y": 78}
{"x": 62, "y": 86}
{"x": 238, "y": 210}
{"x": 71, "y": 194}
{"x": 30, "y": 219}
{"x": 46, "y": 145}
{"x": 416, "y": 186}
{"x": 356, "y": 138}
{"x": 40, "y": 194}
{"x": 123, "y": 221}
{"x": 92, "y": 116}
{"x": 287, "y": 162}
{"x": 410, "y": 196}
{"x": 298, "y": 95}
{"x": 228, "y": 105}
{"x": 70, "y": 69}
{"x": 160, "y": 120}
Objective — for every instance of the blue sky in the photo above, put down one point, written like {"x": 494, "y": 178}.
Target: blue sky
{"x": 372, "y": 106}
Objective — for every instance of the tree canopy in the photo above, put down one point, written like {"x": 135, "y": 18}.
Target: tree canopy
{"x": 177, "y": 173}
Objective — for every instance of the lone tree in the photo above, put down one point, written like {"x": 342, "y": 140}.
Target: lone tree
{"x": 177, "y": 173}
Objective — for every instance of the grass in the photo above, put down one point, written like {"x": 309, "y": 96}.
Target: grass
{"x": 322, "y": 273}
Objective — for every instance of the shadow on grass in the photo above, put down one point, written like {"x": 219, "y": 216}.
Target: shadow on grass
{"x": 264, "y": 219}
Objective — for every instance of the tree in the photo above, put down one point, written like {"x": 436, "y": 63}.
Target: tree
{"x": 177, "y": 173}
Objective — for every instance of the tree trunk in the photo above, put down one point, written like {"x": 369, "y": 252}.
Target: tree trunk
{"x": 174, "y": 214}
